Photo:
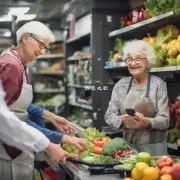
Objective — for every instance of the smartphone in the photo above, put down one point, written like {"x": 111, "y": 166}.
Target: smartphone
{"x": 130, "y": 112}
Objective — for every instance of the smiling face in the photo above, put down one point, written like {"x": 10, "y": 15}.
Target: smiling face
{"x": 33, "y": 47}
{"x": 137, "y": 63}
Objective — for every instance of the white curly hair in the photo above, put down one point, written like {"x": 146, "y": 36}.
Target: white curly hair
{"x": 141, "y": 47}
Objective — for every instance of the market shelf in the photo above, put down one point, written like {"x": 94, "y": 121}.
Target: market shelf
{"x": 49, "y": 73}
{"x": 49, "y": 91}
{"x": 173, "y": 146}
{"x": 78, "y": 38}
{"x": 148, "y": 24}
{"x": 84, "y": 106}
{"x": 52, "y": 56}
{"x": 77, "y": 58}
{"x": 120, "y": 65}
{"x": 80, "y": 86}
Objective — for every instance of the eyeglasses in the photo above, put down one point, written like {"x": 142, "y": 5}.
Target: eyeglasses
{"x": 41, "y": 44}
{"x": 136, "y": 60}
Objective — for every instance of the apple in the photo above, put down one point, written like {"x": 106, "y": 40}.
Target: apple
{"x": 177, "y": 103}
{"x": 175, "y": 172}
{"x": 143, "y": 157}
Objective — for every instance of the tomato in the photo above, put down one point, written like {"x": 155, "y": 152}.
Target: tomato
{"x": 166, "y": 170}
{"x": 74, "y": 156}
{"x": 125, "y": 18}
{"x": 129, "y": 23}
{"x": 97, "y": 150}
{"x": 164, "y": 161}
{"x": 100, "y": 143}
{"x": 122, "y": 19}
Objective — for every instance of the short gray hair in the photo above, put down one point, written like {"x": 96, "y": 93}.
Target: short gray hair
{"x": 36, "y": 28}
{"x": 139, "y": 46}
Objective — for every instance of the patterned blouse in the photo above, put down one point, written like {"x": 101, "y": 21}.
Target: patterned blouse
{"x": 158, "y": 94}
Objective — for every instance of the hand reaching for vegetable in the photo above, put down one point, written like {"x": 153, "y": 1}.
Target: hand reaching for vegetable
{"x": 63, "y": 125}
{"x": 80, "y": 143}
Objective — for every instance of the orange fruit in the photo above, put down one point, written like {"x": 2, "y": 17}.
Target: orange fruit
{"x": 151, "y": 173}
{"x": 136, "y": 175}
{"x": 166, "y": 177}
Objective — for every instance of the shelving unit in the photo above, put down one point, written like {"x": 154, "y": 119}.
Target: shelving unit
{"x": 48, "y": 72}
{"x": 117, "y": 70}
{"x": 78, "y": 76}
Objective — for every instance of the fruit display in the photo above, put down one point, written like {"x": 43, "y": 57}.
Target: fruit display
{"x": 166, "y": 46}
{"x": 155, "y": 168}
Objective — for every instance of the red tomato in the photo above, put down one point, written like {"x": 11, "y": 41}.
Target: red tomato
{"x": 122, "y": 19}
{"x": 166, "y": 170}
{"x": 164, "y": 161}
{"x": 125, "y": 18}
{"x": 129, "y": 23}
{"x": 97, "y": 150}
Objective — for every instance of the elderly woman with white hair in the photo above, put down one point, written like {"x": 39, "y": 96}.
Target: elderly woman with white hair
{"x": 33, "y": 40}
{"x": 139, "y": 104}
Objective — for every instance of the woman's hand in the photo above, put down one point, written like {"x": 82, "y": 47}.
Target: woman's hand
{"x": 144, "y": 122}
{"x": 80, "y": 143}
{"x": 62, "y": 125}
{"x": 136, "y": 122}
{"x": 130, "y": 122}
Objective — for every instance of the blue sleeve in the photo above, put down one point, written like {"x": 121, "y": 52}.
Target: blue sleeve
{"x": 53, "y": 136}
{"x": 35, "y": 110}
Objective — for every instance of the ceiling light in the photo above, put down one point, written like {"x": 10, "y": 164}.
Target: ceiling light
{"x": 23, "y": 17}
{"x": 18, "y": 10}
{"x": 26, "y": 17}
{"x": 6, "y": 18}
{"x": 7, "y": 34}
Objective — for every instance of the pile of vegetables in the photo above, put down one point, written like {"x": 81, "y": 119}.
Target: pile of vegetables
{"x": 174, "y": 131}
{"x": 117, "y": 53}
{"x": 56, "y": 100}
{"x": 157, "y": 7}
{"x": 101, "y": 149}
{"x": 136, "y": 15}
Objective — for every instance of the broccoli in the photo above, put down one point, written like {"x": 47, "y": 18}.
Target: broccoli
{"x": 114, "y": 145}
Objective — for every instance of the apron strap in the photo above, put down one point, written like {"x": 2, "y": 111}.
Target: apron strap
{"x": 148, "y": 86}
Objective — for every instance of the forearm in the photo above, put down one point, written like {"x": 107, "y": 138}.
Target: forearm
{"x": 53, "y": 136}
{"x": 48, "y": 115}
{"x": 159, "y": 122}
{"x": 17, "y": 133}
{"x": 113, "y": 119}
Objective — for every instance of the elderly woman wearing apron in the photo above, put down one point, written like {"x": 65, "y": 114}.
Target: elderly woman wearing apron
{"x": 147, "y": 95}
{"x": 33, "y": 39}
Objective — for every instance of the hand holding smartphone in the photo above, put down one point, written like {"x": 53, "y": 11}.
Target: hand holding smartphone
{"x": 131, "y": 112}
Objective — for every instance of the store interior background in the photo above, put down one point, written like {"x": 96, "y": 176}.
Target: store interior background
{"x": 73, "y": 80}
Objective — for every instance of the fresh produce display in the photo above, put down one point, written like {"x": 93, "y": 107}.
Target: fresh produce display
{"x": 56, "y": 100}
{"x": 158, "y": 168}
{"x": 117, "y": 53}
{"x": 136, "y": 15}
{"x": 101, "y": 148}
{"x": 174, "y": 131}
{"x": 117, "y": 148}
{"x": 157, "y": 7}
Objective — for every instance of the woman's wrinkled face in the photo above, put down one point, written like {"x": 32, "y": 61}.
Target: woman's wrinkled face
{"x": 34, "y": 47}
{"x": 137, "y": 63}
